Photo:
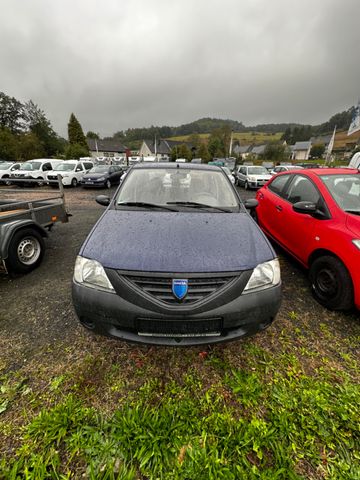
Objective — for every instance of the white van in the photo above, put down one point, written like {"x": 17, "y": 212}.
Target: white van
{"x": 71, "y": 172}
{"x": 34, "y": 170}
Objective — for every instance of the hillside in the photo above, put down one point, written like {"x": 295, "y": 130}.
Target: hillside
{"x": 245, "y": 138}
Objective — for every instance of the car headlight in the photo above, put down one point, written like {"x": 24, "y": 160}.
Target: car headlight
{"x": 101, "y": 179}
{"x": 356, "y": 242}
{"x": 64, "y": 175}
{"x": 92, "y": 274}
{"x": 252, "y": 179}
{"x": 264, "y": 275}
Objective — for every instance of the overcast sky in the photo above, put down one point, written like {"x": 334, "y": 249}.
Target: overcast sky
{"x": 132, "y": 63}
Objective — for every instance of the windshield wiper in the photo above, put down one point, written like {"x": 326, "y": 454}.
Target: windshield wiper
{"x": 146, "y": 205}
{"x": 199, "y": 205}
{"x": 355, "y": 212}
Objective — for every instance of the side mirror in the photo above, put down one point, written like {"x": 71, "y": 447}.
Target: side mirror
{"x": 103, "y": 200}
{"x": 305, "y": 207}
{"x": 251, "y": 203}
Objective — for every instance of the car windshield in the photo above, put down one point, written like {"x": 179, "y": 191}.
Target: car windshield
{"x": 99, "y": 169}
{"x": 65, "y": 167}
{"x": 184, "y": 186}
{"x": 5, "y": 166}
{"x": 257, "y": 171}
{"x": 31, "y": 166}
{"x": 345, "y": 189}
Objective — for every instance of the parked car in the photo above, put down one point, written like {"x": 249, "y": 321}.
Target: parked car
{"x": 71, "y": 172}
{"x": 284, "y": 168}
{"x": 102, "y": 176}
{"x": 6, "y": 168}
{"x": 314, "y": 214}
{"x": 229, "y": 174}
{"x": 251, "y": 176}
{"x": 34, "y": 171}
{"x": 176, "y": 265}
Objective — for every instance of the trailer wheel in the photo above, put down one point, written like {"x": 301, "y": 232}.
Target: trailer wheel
{"x": 26, "y": 251}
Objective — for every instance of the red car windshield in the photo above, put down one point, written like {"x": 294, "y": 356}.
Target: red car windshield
{"x": 345, "y": 190}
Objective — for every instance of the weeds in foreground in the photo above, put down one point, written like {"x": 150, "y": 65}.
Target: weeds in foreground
{"x": 291, "y": 426}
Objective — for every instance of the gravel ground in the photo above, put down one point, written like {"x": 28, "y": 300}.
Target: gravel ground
{"x": 37, "y": 310}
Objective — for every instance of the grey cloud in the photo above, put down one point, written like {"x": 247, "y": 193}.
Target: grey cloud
{"x": 136, "y": 63}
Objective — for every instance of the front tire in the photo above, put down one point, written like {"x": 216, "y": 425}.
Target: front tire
{"x": 108, "y": 184}
{"x": 331, "y": 283}
{"x": 26, "y": 251}
{"x": 40, "y": 182}
{"x": 74, "y": 182}
{"x": 246, "y": 185}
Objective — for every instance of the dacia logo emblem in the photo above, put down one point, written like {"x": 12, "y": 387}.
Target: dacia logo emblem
{"x": 180, "y": 288}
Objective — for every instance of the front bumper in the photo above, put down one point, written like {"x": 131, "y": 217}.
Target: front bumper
{"x": 113, "y": 315}
{"x": 93, "y": 183}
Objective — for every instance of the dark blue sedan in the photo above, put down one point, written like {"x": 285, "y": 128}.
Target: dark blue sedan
{"x": 176, "y": 259}
{"x": 102, "y": 176}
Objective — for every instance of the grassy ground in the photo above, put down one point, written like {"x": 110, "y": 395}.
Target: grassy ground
{"x": 283, "y": 404}
{"x": 269, "y": 407}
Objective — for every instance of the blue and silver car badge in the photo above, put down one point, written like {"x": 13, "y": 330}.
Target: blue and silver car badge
{"x": 179, "y": 288}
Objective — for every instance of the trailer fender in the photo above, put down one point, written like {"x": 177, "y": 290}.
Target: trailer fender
{"x": 8, "y": 229}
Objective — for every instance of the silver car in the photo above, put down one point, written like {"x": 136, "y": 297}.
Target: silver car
{"x": 252, "y": 176}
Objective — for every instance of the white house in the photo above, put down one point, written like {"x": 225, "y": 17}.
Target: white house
{"x": 301, "y": 150}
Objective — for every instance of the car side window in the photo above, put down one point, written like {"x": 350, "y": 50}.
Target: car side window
{"x": 46, "y": 167}
{"x": 302, "y": 190}
{"x": 243, "y": 170}
{"x": 78, "y": 167}
{"x": 278, "y": 184}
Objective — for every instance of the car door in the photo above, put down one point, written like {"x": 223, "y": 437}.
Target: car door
{"x": 271, "y": 203}
{"x": 298, "y": 230}
{"x": 242, "y": 175}
{"x": 79, "y": 171}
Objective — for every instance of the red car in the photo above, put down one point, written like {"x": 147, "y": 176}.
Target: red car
{"x": 315, "y": 215}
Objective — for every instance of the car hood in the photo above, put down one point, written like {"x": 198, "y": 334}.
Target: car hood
{"x": 95, "y": 175}
{"x": 177, "y": 242}
{"x": 353, "y": 224}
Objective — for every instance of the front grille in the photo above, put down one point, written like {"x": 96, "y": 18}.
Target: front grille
{"x": 179, "y": 328}
{"x": 161, "y": 287}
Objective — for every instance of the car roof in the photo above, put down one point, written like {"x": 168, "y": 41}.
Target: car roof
{"x": 175, "y": 166}
{"x": 316, "y": 172}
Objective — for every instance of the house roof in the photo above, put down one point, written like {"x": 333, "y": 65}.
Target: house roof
{"x": 239, "y": 149}
{"x": 105, "y": 145}
{"x": 302, "y": 146}
{"x": 164, "y": 147}
{"x": 258, "y": 149}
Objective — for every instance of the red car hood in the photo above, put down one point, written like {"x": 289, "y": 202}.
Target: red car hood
{"x": 353, "y": 224}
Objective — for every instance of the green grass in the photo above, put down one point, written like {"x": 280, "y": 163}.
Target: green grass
{"x": 266, "y": 419}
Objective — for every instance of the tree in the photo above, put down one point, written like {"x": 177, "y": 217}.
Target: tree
{"x": 76, "y": 134}
{"x": 93, "y": 135}
{"x": 317, "y": 150}
{"x": 275, "y": 152}
{"x": 75, "y": 151}
{"x": 29, "y": 147}
{"x": 8, "y": 144}
{"x": 11, "y": 114}
{"x": 181, "y": 151}
{"x": 40, "y": 126}
{"x": 203, "y": 153}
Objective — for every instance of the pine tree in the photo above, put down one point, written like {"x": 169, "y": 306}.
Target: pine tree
{"x": 75, "y": 132}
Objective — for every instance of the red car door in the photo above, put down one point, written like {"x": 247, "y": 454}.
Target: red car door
{"x": 271, "y": 205}
{"x": 300, "y": 231}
